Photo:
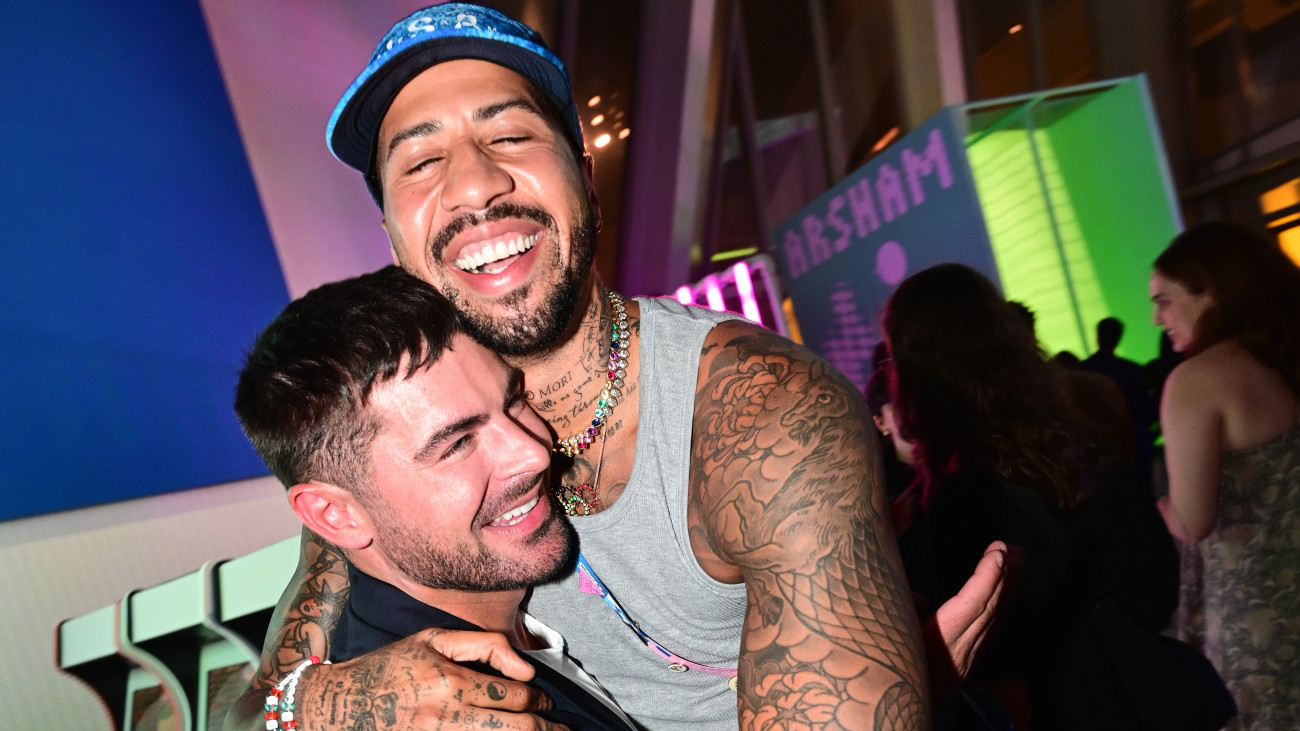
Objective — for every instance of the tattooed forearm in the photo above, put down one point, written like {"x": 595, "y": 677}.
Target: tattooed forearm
{"x": 786, "y": 486}
{"x": 300, "y": 626}
{"x": 307, "y": 612}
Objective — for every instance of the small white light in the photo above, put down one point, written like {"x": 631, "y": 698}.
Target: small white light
{"x": 623, "y": 133}
{"x": 596, "y": 120}
{"x": 602, "y": 140}
{"x": 593, "y": 101}
{"x": 1016, "y": 28}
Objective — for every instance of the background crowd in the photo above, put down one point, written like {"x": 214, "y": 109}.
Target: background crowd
{"x": 1141, "y": 502}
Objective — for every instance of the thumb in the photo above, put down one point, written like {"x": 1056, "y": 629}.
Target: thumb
{"x": 489, "y": 647}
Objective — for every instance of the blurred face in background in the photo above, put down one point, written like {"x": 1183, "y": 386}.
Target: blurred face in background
{"x": 1177, "y": 310}
{"x": 887, "y": 423}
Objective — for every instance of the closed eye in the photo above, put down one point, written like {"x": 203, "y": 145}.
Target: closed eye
{"x": 421, "y": 165}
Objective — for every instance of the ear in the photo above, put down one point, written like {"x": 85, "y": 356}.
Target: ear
{"x": 880, "y": 424}
{"x": 392, "y": 246}
{"x": 333, "y": 513}
{"x": 589, "y": 184}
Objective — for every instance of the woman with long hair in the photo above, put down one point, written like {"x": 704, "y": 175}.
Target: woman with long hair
{"x": 1001, "y": 458}
{"x": 1229, "y": 300}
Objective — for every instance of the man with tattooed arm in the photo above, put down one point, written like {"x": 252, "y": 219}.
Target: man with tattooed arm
{"x": 410, "y": 447}
{"x": 722, "y": 480}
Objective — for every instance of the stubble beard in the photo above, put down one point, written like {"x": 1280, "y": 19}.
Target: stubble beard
{"x": 435, "y": 563}
{"x": 520, "y": 331}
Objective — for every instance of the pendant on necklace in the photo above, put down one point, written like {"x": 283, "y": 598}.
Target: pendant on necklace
{"x": 579, "y": 500}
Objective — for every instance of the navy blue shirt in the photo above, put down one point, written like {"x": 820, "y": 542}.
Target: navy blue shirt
{"x": 379, "y": 614}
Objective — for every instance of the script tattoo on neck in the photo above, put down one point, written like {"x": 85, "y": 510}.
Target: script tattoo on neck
{"x": 785, "y": 485}
{"x": 560, "y": 401}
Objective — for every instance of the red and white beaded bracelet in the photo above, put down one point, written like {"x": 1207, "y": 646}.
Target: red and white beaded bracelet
{"x": 279, "y": 702}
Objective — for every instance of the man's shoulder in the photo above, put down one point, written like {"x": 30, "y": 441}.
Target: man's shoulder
{"x": 734, "y": 339}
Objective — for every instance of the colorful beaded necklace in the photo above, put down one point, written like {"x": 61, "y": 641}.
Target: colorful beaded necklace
{"x": 610, "y": 395}
{"x": 583, "y": 499}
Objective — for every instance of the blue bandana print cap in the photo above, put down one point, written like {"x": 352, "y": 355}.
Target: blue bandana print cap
{"x": 428, "y": 37}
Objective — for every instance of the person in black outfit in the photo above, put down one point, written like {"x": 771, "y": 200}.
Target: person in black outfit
{"x": 1000, "y": 458}
{"x": 1132, "y": 382}
{"x": 410, "y": 447}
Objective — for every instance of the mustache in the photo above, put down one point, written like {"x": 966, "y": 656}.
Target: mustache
{"x": 520, "y": 486}
{"x": 501, "y": 211}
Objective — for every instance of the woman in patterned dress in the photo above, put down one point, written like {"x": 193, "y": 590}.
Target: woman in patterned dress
{"x": 1229, "y": 300}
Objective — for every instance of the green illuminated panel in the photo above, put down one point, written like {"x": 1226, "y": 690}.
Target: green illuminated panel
{"x": 1076, "y": 200}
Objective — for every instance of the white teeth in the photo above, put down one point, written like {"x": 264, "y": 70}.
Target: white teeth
{"x": 514, "y": 516}
{"x": 495, "y": 252}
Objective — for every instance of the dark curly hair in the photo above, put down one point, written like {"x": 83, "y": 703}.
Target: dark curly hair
{"x": 1254, "y": 287}
{"x": 971, "y": 388}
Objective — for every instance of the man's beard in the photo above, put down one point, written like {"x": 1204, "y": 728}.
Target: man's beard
{"x": 521, "y": 332}
{"x": 439, "y": 564}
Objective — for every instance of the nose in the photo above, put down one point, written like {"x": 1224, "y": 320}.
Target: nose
{"x": 526, "y": 444}
{"x": 473, "y": 179}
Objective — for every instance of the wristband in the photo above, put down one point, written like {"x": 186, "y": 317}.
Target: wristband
{"x": 279, "y": 702}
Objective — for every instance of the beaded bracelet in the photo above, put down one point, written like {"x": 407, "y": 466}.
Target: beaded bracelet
{"x": 280, "y": 700}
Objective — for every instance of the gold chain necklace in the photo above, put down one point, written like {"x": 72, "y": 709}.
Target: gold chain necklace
{"x": 612, "y": 393}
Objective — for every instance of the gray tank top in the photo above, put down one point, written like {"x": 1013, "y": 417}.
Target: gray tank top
{"x": 640, "y": 549}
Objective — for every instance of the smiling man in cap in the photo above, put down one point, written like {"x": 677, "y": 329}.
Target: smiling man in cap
{"x": 723, "y": 480}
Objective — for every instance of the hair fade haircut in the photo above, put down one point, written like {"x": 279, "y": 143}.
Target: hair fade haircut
{"x": 303, "y": 391}
{"x": 1255, "y": 291}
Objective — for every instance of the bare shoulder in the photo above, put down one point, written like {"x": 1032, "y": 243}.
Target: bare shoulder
{"x": 730, "y": 338}
{"x": 1253, "y": 401}
{"x": 1222, "y": 375}
{"x": 784, "y": 470}
{"x": 1203, "y": 375}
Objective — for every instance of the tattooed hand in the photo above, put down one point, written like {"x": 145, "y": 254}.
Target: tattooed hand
{"x": 413, "y": 684}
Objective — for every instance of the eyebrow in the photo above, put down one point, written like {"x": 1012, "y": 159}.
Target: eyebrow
{"x": 482, "y": 114}
{"x": 423, "y": 129}
{"x": 514, "y": 384}
{"x": 443, "y": 435}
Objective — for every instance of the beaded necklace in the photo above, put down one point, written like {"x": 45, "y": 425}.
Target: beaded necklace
{"x": 610, "y": 395}
{"x": 583, "y": 499}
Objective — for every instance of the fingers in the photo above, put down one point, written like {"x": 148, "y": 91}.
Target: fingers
{"x": 485, "y": 691}
{"x": 971, "y": 610}
{"x": 964, "y": 620}
{"x": 489, "y": 647}
{"x": 479, "y": 718}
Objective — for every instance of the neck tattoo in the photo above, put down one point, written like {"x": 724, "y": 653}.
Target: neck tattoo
{"x": 583, "y": 499}
{"x": 610, "y": 395}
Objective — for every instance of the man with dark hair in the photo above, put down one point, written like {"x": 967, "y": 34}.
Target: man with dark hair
{"x": 1132, "y": 383}
{"x": 723, "y": 480}
{"x": 411, "y": 449}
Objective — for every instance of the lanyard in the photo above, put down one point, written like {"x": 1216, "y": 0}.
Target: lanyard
{"x": 676, "y": 663}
